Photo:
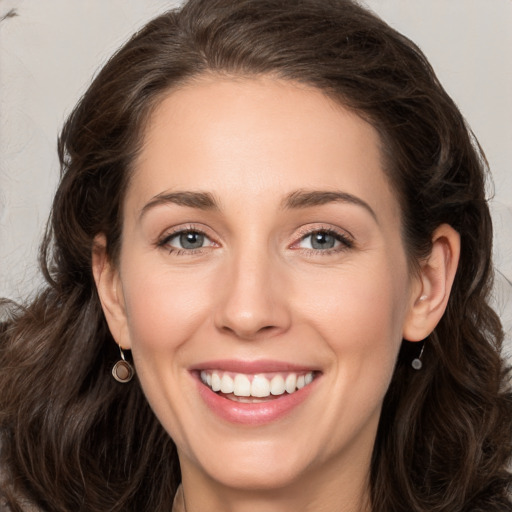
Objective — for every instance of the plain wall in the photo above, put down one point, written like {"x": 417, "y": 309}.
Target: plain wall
{"x": 51, "y": 49}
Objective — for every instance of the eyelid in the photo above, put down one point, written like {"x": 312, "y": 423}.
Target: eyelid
{"x": 163, "y": 240}
{"x": 343, "y": 236}
{"x": 345, "y": 239}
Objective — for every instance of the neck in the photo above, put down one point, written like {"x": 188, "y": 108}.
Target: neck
{"x": 341, "y": 490}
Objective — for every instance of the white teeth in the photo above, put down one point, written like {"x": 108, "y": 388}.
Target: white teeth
{"x": 240, "y": 384}
{"x": 260, "y": 386}
{"x": 226, "y": 384}
{"x": 277, "y": 386}
{"x": 291, "y": 383}
{"x": 215, "y": 382}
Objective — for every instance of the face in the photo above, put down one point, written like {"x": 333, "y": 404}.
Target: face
{"x": 262, "y": 281}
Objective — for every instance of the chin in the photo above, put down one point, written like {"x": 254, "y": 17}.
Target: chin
{"x": 264, "y": 475}
{"x": 254, "y": 465}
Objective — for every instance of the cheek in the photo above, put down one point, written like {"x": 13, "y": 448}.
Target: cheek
{"x": 360, "y": 313}
{"x": 164, "y": 308}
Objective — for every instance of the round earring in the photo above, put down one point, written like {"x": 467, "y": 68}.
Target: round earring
{"x": 123, "y": 371}
{"x": 416, "y": 363}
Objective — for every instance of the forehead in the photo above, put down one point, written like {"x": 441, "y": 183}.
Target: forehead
{"x": 258, "y": 136}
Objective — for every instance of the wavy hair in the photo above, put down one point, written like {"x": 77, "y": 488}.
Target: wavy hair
{"x": 74, "y": 439}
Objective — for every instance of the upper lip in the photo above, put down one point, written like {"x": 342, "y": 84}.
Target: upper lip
{"x": 252, "y": 367}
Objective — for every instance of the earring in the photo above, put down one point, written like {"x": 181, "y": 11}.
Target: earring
{"x": 123, "y": 371}
{"x": 416, "y": 363}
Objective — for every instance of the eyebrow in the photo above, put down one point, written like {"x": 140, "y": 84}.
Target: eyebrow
{"x": 310, "y": 198}
{"x": 296, "y": 200}
{"x": 199, "y": 200}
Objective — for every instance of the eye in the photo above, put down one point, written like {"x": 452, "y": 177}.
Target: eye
{"x": 186, "y": 240}
{"x": 324, "y": 240}
{"x": 319, "y": 240}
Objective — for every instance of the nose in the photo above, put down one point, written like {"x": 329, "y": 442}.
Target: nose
{"x": 252, "y": 303}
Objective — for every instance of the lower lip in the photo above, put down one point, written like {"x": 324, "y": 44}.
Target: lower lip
{"x": 256, "y": 413}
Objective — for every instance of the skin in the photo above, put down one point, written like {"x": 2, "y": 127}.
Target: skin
{"x": 257, "y": 290}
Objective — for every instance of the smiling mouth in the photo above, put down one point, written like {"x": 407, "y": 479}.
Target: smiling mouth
{"x": 255, "y": 388}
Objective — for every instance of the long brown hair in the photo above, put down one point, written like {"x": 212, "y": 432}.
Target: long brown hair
{"x": 74, "y": 439}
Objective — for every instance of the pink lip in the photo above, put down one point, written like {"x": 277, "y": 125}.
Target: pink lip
{"x": 251, "y": 367}
{"x": 256, "y": 413}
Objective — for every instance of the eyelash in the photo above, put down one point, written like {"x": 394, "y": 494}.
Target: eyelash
{"x": 164, "y": 241}
{"x": 345, "y": 241}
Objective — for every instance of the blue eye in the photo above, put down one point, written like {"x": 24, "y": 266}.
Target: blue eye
{"x": 323, "y": 240}
{"x": 190, "y": 240}
{"x": 186, "y": 240}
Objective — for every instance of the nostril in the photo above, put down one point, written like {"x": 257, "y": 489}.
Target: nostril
{"x": 250, "y": 309}
{"x": 249, "y": 332}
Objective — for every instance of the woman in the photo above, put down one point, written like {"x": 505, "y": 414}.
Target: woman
{"x": 272, "y": 215}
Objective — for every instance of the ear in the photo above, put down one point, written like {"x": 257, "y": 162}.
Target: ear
{"x": 432, "y": 287}
{"x": 110, "y": 292}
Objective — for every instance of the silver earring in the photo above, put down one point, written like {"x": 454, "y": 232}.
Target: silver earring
{"x": 123, "y": 371}
{"x": 416, "y": 363}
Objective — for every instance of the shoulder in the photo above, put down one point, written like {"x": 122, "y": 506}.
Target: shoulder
{"x": 7, "y": 494}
